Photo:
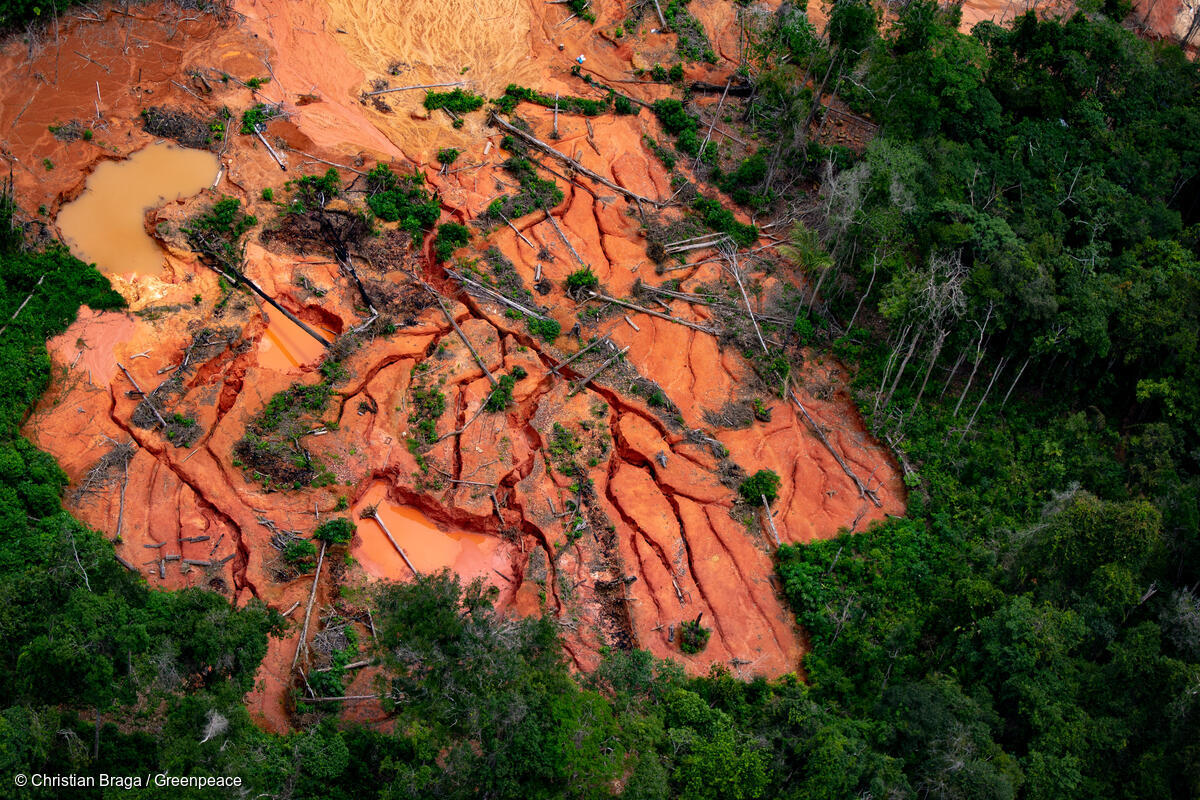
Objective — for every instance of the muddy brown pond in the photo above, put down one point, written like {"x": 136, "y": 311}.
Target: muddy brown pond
{"x": 104, "y": 225}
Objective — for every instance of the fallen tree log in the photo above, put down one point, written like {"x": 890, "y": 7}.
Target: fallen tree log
{"x": 580, "y": 168}
{"x": 737, "y": 90}
{"x": 580, "y": 386}
{"x": 578, "y": 354}
{"x": 653, "y": 313}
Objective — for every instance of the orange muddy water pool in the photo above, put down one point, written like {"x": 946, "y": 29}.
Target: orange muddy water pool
{"x": 427, "y": 546}
{"x": 105, "y": 224}
{"x": 285, "y": 346}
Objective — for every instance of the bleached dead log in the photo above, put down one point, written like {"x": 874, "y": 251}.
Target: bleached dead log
{"x": 562, "y": 235}
{"x": 731, "y": 255}
{"x": 407, "y": 88}
{"x": 477, "y": 289}
{"x": 517, "y": 232}
{"x": 708, "y": 135}
{"x": 770, "y": 519}
{"x": 379, "y": 520}
{"x": 312, "y": 596}
{"x": 145, "y": 396}
{"x": 462, "y": 335}
{"x": 863, "y": 489}
{"x": 278, "y": 159}
{"x": 653, "y": 313}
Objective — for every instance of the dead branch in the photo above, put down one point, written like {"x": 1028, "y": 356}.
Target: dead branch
{"x": 145, "y": 396}
{"x": 653, "y": 313}
{"x": 407, "y": 88}
{"x": 312, "y": 596}
{"x": 581, "y": 384}
{"x": 578, "y": 353}
{"x": 515, "y": 131}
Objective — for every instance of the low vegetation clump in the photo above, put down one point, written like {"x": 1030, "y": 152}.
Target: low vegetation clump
{"x": 745, "y": 183}
{"x": 428, "y": 405}
{"x": 683, "y": 126}
{"x": 562, "y": 447}
{"x": 502, "y": 394}
{"x": 691, "y": 41}
{"x": 580, "y": 281}
{"x": 547, "y": 329}
{"x": 536, "y": 193}
{"x": 456, "y": 100}
{"x": 566, "y": 104}
{"x": 272, "y": 451}
{"x": 693, "y": 636}
{"x": 402, "y": 199}
{"x": 450, "y": 237}
{"x": 764, "y": 483}
{"x": 256, "y": 117}
{"x": 335, "y": 531}
{"x": 313, "y": 192}
{"x": 448, "y": 155}
{"x": 300, "y": 555}
{"x": 664, "y": 154}
{"x": 721, "y": 219}
{"x": 217, "y": 233}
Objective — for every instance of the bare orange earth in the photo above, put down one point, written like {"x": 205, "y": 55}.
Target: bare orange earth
{"x": 675, "y": 550}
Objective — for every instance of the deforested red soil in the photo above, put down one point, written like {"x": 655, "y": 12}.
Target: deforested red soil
{"x": 650, "y": 534}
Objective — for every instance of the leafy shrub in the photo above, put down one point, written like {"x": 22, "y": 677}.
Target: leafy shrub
{"x": 623, "y": 105}
{"x": 743, "y": 183}
{"x": 514, "y": 94}
{"x": 402, "y": 199}
{"x": 335, "y": 531}
{"x": 545, "y": 329}
{"x": 256, "y": 117}
{"x": 448, "y": 155}
{"x": 502, "y": 394}
{"x": 301, "y": 554}
{"x": 693, "y": 637}
{"x": 719, "y": 218}
{"x": 764, "y": 483}
{"x": 456, "y": 100}
{"x": 581, "y": 279}
{"x": 450, "y": 236}
{"x": 314, "y": 191}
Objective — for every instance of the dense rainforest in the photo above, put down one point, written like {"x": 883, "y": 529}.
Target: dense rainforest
{"x": 1011, "y": 269}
